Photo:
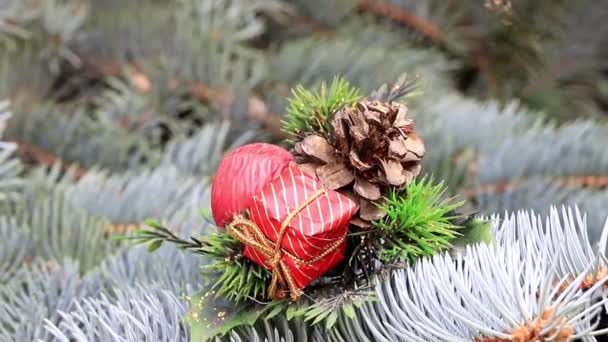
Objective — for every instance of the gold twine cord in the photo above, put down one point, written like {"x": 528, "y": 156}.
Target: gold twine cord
{"x": 248, "y": 232}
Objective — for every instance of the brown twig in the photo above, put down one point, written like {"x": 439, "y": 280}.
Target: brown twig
{"x": 561, "y": 330}
{"x": 591, "y": 279}
{"x": 591, "y": 181}
{"x": 223, "y": 99}
{"x": 293, "y": 20}
{"x": 120, "y": 229}
{"x": 257, "y": 109}
{"x": 377, "y": 7}
{"x": 427, "y": 29}
{"x": 397, "y": 14}
{"x": 32, "y": 153}
{"x": 220, "y": 98}
{"x": 531, "y": 331}
{"x": 481, "y": 57}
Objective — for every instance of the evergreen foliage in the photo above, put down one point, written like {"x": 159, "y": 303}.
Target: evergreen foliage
{"x": 113, "y": 112}
{"x": 310, "y": 111}
{"x": 419, "y": 222}
{"x": 241, "y": 279}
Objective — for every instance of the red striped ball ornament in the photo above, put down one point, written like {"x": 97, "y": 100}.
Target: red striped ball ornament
{"x": 241, "y": 174}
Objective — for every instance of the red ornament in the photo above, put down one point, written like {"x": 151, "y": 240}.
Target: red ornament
{"x": 241, "y": 174}
{"x": 309, "y": 223}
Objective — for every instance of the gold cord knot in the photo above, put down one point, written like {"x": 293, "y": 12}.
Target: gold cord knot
{"x": 274, "y": 261}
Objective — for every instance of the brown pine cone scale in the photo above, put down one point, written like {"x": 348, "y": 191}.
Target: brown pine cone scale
{"x": 335, "y": 175}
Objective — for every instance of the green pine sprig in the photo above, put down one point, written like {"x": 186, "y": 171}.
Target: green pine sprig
{"x": 327, "y": 310}
{"x": 240, "y": 279}
{"x": 210, "y": 318}
{"x": 237, "y": 278}
{"x": 310, "y": 111}
{"x": 154, "y": 234}
{"x": 419, "y": 222}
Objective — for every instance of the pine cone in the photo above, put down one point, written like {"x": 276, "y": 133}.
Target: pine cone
{"x": 372, "y": 148}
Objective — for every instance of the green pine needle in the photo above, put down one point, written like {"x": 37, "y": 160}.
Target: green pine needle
{"x": 310, "y": 111}
{"x": 240, "y": 279}
{"x": 418, "y": 223}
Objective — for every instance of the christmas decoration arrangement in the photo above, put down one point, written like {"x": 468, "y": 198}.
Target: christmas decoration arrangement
{"x": 113, "y": 112}
{"x": 306, "y": 228}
